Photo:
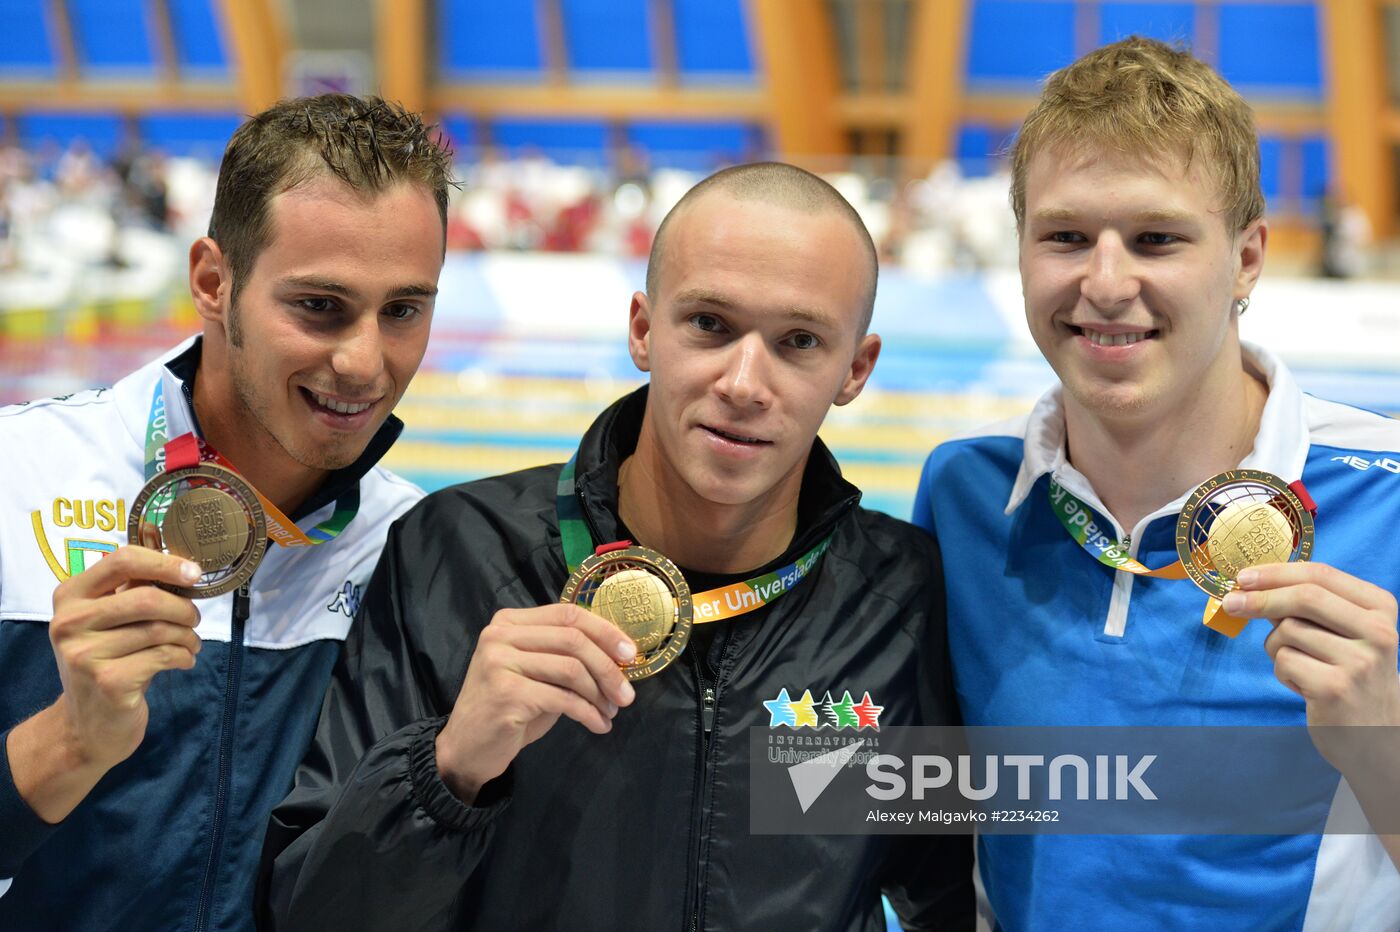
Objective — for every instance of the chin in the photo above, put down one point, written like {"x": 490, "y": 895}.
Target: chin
{"x": 1114, "y": 403}
{"x": 327, "y": 457}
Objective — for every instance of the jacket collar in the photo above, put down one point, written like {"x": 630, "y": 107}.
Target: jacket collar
{"x": 1280, "y": 446}
{"x": 175, "y": 371}
{"x": 825, "y": 496}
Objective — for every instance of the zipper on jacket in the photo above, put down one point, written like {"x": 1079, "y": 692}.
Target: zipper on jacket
{"x": 708, "y": 695}
{"x": 707, "y": 723}
{"x": 707, "y": 713}
{"x": 241, "y": 606}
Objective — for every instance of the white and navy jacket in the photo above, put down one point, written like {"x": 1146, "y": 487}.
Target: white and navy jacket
{"x": 170, "y": 838}
{"x": 1042, "y": 634}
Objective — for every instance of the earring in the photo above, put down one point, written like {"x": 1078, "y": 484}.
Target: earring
{"x": 1242, "y": 305}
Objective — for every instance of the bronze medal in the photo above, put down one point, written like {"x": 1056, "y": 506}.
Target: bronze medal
{"x": 207, "y": 514}
{"x": 643, "y": 594}
{"x": 1239, "y": 519}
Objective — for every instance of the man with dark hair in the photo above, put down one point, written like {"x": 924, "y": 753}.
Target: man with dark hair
{"x": 144, "y": 737}
{"x": 444, "y": 792}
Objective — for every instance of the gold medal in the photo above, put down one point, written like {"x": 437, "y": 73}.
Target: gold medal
{"x": 1239, "y": 519}
{"x": 645, "y": 595}
{"x": 207, "y": 514}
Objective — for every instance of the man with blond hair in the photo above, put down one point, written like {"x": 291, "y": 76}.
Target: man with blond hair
{"x": 1142, "y": 235}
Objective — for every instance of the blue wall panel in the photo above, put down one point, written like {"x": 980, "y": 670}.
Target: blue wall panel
{"x": 608, "y": 36}
{"x": 1272, "y": 46}
{"x": 485, "y": 35}
{"x": 199, "y": 44}
{"x": 1019, "y": 41}
{"x": 1170, "y": 22}
{"x": 203, "y": 135}
{"x": 102, "y": 131}
{"x": 464, "y": 134}
{"x": 24, "y": 39}
{"x": 696, "y": 146}
{"x": 1317, "y": 166}
{"x": 111, "y": 35}
{"x": 981, "y": 149}
{"x": 575, "y": 142}
{"x": 1271, "y": 169}
{"x": 712, "y": 39}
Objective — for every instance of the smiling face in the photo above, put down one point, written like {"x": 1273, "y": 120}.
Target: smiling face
{"x": 751, "y": 334}
{"x": 1130, "y": 276}
{"x": 333, "y": 319}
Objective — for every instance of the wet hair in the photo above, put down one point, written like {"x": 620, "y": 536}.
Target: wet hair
{"x": 368, "y": 143}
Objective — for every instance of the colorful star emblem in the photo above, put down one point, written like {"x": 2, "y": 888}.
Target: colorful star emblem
{"x": 868, "y": 713}
{"x": 805, "y": 712}
{"x": 780, "y": 710}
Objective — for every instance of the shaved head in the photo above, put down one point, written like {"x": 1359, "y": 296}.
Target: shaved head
{"x": 778, "y": 184}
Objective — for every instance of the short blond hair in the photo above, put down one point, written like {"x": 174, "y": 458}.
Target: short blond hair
{"x": 1143, "y": 97}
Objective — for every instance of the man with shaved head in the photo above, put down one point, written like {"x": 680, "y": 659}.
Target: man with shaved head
{"x": 444, "y": 791}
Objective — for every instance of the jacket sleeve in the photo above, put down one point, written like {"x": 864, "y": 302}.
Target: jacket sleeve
{"x": 370, "y": 836}
{"x": 22, "y": 830}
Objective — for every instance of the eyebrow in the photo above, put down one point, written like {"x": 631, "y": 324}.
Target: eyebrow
{"x": 715, "y": 299}
{"x": 1154, "y": 215}
{"x": 415, "y": 290}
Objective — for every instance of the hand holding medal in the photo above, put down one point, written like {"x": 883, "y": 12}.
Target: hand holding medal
{"x": 204, "y": 512}
{"x": 641, "y": 592}
{"x": 1236, "y": 520}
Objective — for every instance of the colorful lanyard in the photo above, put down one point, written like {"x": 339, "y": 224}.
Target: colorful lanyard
{"x": 1078, "y": 519}
{"x": 713, "y": 605}
{"x": 190, "y": 450}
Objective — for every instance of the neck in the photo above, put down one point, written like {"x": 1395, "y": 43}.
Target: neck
{"x": 661, "y": 509}
{"x": 230, "y": 428}
{"x": 1140, "y": 464}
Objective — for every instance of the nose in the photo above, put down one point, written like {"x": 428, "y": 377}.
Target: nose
{"x": 746, "y": 378}
{"x": 1111, "y": 277}
{"x": 358, "y": 356}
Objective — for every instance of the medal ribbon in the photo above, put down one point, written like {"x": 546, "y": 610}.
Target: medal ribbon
{"x": 713, "y": 605}
{"x": 163, "y": 455}
{"x": 1078, "y": 519}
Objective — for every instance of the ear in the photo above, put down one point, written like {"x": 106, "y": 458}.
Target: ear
{"x": 861, "y": 366}
{"x": 211, "y": 281}
{"x": 1249, "y": 246}
{"x": 639, "y": 331}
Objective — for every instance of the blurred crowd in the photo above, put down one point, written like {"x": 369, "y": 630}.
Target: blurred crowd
{"x": 71, "y": 222}
{"x": 70, "y": 210}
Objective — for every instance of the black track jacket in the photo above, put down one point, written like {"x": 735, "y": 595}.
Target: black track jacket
{"x": 646, "y": 827}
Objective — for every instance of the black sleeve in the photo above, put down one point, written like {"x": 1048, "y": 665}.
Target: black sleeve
{"x": 928, "y": 878}
{"x": 370, "y": 836}
{"x": 21, "y": 828}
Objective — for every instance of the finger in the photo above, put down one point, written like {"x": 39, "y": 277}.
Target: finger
{"x": 1306, "y": 600}
{"x": 1311, "y": 639}
{"x": 139, "y": 603}
{"x": 602, "y": 632}
{"x": 129, "y": 639}
{"x": 572, "y": 642}
{"x": 1346, "y": 586}
{"x": 128, "y": 564}
{"x": 553, "y": 700}
{"x": 142, "y": 666}
{"x": 564, "y": 672}
{"x": 1305, "y": 675}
